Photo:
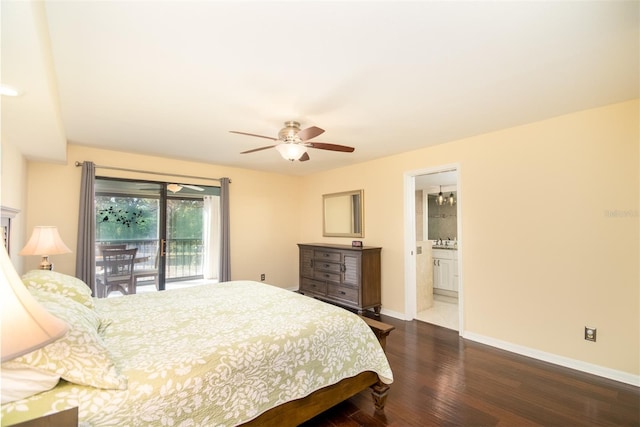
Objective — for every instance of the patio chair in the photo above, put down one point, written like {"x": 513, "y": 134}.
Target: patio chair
{"x": 100, "y": 268}
{"x": 117, "y": 272}
{"x": 147, "y": 273}
{"x": 103, "y": 247}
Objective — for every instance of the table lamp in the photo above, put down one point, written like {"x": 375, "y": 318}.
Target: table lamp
{"x": 26, "y": 325}
{"x": 45, "y": 241}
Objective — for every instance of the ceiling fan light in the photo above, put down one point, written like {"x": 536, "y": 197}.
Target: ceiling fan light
{"x": 291, "y": 151}
{"x": 174, "y": 188}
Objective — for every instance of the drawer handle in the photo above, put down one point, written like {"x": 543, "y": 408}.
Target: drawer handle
{"x": 326, "y": 266}
{"x": 327, "y": 276}
{"x": 325, "y": 255}
{"x": 343, "y": 293}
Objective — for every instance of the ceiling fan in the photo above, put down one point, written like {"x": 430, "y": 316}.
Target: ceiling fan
{"x": 292, "y": 142}
{"x": 174, "y": 188}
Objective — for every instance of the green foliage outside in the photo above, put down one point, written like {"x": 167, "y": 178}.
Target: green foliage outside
{"x": 126, "y": 218}
{"x": 184, "y": 219}
{"x": 132, "y": 218}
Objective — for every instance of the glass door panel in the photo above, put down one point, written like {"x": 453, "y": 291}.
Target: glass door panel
{"x": 184, "y": 238}
{"x": 163, "y": 221}
{"x": 128, "y": 213}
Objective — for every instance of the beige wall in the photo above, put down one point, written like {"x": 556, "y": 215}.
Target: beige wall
{"x": 13, "y": 179}
{"x": 262, "y": 209}
{"x": 560, "y": 253}
{"x": 549, "y": 231}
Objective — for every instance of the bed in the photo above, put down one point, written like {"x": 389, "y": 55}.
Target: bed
{"x": 224, "y": 354}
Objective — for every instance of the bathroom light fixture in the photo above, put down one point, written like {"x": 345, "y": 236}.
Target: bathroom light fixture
{"x": 440, "y": 198}
{"x": 291, "y": 151}
{"x": 451, "y": 200}
{"x": 45, "y": 241}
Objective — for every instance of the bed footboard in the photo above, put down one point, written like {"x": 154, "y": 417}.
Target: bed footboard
{"x": 380, "y": 329}
{"x": 379, "y": 390}
{"x": 298, "y": 411}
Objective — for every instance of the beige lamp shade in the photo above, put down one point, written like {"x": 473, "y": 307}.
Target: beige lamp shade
{"x": 26, "y": 325}
{"x": 45, "y": 241}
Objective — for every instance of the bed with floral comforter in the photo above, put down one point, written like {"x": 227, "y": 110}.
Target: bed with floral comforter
{"x": 210, "y": 355}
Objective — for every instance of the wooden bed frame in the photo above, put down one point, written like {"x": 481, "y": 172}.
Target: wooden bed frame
{"x": 301, "y": 410}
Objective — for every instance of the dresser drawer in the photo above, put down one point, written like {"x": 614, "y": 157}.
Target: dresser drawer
{"x": 331, "y": 267}
{"x": 325, "y": 275}
{"x": 313, "y": 286}
{"x": 326, "y": 256}
{"x": 343, "y": 293}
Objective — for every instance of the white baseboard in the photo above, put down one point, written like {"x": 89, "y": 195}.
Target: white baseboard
{"x": 578, "y": 365}
{"x": 601, "y": 371}
{"x": 394, "y": 314}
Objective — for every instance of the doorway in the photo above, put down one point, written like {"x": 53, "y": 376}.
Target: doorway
{"x": 433, "y": 244}
{"x": 165, "y": 222}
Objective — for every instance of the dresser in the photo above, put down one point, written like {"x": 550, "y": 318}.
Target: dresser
{"x": 341, "y": 274}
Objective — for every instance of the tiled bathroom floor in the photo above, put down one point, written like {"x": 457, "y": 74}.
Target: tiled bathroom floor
{"x": 442, "y": 313}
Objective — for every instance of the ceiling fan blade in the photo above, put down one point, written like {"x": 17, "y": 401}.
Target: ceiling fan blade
{"x": 310, "y": 132}
{"x": 331, "y": 147}
{"x": 304, "y": 157}
{"x": 257, "y": 149}
{"x": 253, "y": 134}
{"x": 193, "y": 187}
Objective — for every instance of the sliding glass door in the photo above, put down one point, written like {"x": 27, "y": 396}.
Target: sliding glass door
{"x": 166, "y": 222}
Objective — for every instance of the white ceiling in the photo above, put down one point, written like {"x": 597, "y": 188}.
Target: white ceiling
{"x": 171, "y": 78}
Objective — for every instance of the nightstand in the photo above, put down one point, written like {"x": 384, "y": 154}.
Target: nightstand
{"x": 66, "y": 418}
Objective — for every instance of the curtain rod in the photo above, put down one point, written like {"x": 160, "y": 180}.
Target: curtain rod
{"x": 153, "y": 173}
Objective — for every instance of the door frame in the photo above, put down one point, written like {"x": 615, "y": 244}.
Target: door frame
{"x": 410, "y": 240}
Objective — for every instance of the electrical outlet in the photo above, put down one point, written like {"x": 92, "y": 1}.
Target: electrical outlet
{"x": 262, "y": 277}
{"x": 590, "y": 333}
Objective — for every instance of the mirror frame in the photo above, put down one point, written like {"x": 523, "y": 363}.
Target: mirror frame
{"x": 356, "y": 216}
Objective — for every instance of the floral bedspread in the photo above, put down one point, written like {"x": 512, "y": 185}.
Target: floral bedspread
{"x": 214, "y": 355}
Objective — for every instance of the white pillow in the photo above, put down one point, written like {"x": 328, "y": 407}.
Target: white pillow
{"x": 20, "y": 382}
{"x": 79, "y": 356}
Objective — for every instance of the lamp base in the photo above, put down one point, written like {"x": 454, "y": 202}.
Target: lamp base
{"x": 45, "y": 264}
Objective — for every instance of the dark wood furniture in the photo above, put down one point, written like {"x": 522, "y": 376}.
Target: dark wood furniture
{"x": 380, "y": 329}
{"x": 341, "y": 274}
{"x": 148, "y": 273}
{"x": 118, "y": 272}
{"x": 66, "y": 418}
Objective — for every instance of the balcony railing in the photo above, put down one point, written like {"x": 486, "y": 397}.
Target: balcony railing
{"x": 183, "y": 256}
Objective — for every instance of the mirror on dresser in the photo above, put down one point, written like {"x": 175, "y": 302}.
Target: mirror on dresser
{"x": 343, "y": 214}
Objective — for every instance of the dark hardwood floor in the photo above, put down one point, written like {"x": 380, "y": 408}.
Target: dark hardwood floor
{"x": 442, "y": 380}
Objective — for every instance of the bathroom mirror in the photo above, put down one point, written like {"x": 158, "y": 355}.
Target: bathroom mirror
{"x": 343, "y": 214}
